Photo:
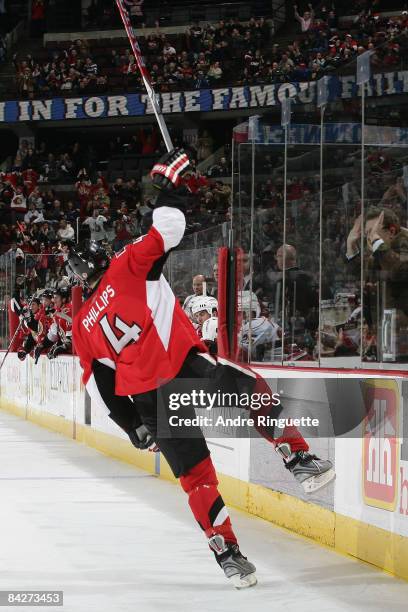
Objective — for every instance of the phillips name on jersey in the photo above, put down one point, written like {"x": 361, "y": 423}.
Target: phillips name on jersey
{"x": 97, "y": 307}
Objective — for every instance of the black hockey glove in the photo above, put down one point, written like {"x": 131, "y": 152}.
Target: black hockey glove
{"x": 142, "y": 439}
{"x": 178, "y": 198}
{"x": 167, "y": 172}
{"x": 25, "y": 316}
{"x": 56, "y": 350}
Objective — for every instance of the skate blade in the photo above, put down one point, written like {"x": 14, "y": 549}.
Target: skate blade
{"x": 245, "y": 582}
{"x": 318, "y": 482}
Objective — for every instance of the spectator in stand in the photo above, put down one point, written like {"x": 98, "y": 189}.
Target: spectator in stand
{"x": 222, "y": 195}
{"x": 18, "y": 206}
{"x": 96, "y": 226}
{"x": 84, "y": 190}
{"x": 122, "y": 236}
{"x": 222, "y": 168}
{"x": 42, "y": 264}
{"x": 118, "y": 188}
{"x": 65, "y": 231}
{"x": 169, "y": 51}
{"x": 71, "y": 212}
{"x": 132, "y": 193}
{"x": 55, "y": 212}
{"x": 194, "y": 36}
{"x": 25, "y": 82}
{"x": 47, "y": 234}
{"x": 215, "y": 72}
{"x": 201, "y": 81}
{"x": 307, "y": 21}
{"x": 149, "y": 140}
{"x": 33, "y": 215}
{"x": 196, "y": 182}
{"x": 16, "y": 253}
{"x": 90, "y": 67}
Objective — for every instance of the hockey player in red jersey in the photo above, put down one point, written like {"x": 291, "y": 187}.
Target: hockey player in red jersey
{"x": 61, "y": 327}
{"x": 34, "y": 328}
{"x": 58, "y": 339}
{"x": 134, "y": 339}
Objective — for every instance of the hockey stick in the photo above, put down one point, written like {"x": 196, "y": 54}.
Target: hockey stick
{"x": 15, "y": 334}
{"x": 145, "y": 74}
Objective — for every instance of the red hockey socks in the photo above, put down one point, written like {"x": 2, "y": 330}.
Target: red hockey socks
{"x": 291, "y": 434}
{"x": 205, "y": 501}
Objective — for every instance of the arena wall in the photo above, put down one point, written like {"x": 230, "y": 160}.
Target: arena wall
{"x": 364, "y": 513}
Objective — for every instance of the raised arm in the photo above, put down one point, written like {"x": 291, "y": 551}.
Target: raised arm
{"x": 168, "y": 215}
{"x": 297, "y": 16}
{"x": 149, "y": 253}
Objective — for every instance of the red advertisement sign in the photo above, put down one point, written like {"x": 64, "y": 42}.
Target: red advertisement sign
{"x": 381, "y": 444}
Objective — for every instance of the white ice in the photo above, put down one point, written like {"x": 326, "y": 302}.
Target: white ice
{"x": 116, "y": 539}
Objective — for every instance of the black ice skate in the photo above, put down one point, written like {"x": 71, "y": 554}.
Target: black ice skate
{"x": 236, "y": 567}
{"x": 310, "y": 471}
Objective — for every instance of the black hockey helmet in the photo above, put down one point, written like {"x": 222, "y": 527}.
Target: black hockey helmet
{"x": 63, "y": 292}
{"x": 47, "y": 293}
{"x": 87, "y": 260}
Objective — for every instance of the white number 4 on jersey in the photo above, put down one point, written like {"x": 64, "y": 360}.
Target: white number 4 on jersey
{"x": 130, "y": 333}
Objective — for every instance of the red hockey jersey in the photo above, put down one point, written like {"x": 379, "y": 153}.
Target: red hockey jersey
{"x": 133, "y": 321}
{"x": 62, "y": 317}
{"x": 44, "y": 323}
{"x": 37, "y": 326}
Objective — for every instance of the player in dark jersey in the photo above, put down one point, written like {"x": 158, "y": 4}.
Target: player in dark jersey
{"x": 134, "y": 341}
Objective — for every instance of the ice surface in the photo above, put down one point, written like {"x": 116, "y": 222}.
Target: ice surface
{"x": 115, "y": 539}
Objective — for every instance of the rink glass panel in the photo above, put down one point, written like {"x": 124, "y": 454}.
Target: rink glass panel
{"x": 7, "y": 283}
{"x": 364, "y": 318}
{"x": 339, "y": 338}
{"x": 385, "y": 297}
{"x": 197, "y": 254}
{"x": 258, "y": 230}
{"x": 336, "y": 312}
{"x": 299, "y": 273}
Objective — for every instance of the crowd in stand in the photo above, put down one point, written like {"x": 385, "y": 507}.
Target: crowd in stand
{"x": 230, "y": 52}
{"x": 67, "y": 71}
{"x": 323, "y": 46}
{"x": 117, "y": 212}
{"x": 202, "y": 57}
{"x": 37, "y": 219}
{"x": 386, "y": 211}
